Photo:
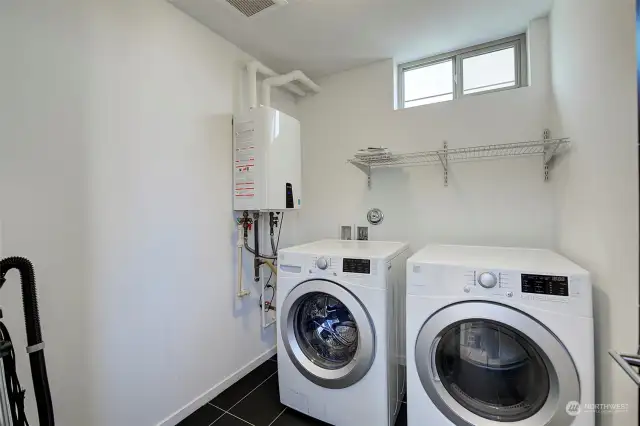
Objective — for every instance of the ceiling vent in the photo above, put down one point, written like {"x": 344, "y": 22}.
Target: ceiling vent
{"x": 250, "y": 7}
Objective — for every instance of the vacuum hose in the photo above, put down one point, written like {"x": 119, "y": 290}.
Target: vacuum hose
{"x": 34, "y": 335}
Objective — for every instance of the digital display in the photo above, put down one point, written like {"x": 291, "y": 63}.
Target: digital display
{"x": 545, "y": 284}
{"x": 356, "y": 266}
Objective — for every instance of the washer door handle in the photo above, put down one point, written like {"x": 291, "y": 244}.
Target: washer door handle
{"x": 434, "y": 351}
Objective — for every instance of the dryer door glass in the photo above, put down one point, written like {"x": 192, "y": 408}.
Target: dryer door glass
{"x": 492, "y": 370}
{"x": 326, "y": 331}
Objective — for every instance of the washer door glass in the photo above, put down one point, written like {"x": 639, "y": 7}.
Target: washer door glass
{"x": 492, "y": 370}
{"x": 326, "y": 331}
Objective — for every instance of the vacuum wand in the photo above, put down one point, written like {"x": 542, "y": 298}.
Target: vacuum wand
{"x": 35, "y": 348}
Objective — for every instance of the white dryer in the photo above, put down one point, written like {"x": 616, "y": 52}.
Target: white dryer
{"x": 340, "y": 330}
{"x": 498, "y": 336}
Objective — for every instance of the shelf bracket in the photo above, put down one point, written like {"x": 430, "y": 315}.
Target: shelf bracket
{"x": 443, "y": 156}
{"x": 549, "y": 152}
{"x": 366, "y": 169}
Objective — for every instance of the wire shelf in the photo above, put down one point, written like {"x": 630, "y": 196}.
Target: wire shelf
{"x": 547, "y": 148}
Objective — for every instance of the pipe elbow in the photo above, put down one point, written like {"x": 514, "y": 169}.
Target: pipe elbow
{"x": 253, "y": 66}
{"x": 307, "y": 81}
{"x": 297, "y": 75}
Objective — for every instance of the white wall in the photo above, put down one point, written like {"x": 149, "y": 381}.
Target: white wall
{"x": 502, "y": 202}
{"x": 115, "y": 179}
{"x": 43, "y": 190}
{"x": 593, "y": 56}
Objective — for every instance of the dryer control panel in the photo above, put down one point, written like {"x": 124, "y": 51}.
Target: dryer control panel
{"x": 551, "y": 285}
{"x": 531, "y": 288}
{"x": 525, "y": 286}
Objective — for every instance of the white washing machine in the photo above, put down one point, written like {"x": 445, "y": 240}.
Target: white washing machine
{"x": 341, "y": 330}
{"x": 498, "y": 336}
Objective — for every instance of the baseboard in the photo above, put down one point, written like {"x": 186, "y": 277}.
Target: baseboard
{"x": 216, "y": 390}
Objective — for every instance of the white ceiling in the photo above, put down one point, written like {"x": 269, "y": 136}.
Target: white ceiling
{"x": 322, "y": 37}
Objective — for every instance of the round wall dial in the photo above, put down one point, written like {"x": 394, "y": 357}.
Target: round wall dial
{"x": 375, "y": 216}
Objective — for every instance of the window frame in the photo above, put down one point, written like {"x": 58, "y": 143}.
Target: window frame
{"x": 518, "y": 42}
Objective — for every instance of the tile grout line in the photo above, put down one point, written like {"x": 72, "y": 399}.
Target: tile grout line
{"x": 242, "y": 399}
{"x": 240, "y": 418}
{"x": 252, "y": 390}
{"x": 227, "y": 412}
{"x": 278, "y": 416}
{"x": 221, "y": 415}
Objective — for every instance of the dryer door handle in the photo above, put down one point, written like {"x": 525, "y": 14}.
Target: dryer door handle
{"x": 627, "y": 362}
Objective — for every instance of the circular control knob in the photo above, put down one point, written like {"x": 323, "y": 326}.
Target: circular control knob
{"x": 322, "y": 263}
{"x": 487, "y": 280}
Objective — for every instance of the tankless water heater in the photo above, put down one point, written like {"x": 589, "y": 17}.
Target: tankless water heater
{"x": 267, "y": 160}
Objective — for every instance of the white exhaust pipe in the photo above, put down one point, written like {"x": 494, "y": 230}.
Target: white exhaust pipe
{"x": 255, "y": 67}
{"x": 284, "y": 80}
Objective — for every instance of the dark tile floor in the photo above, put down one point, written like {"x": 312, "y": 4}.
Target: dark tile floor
{"x": 255, "y": 400}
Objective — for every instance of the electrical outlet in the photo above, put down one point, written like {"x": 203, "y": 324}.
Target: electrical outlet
{"x": 363, "y": 233}
{"x": 346, "y": 232}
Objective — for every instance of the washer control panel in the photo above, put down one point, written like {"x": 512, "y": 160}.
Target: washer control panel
{"x": 324, "y": 265}
{"x": 356, "y": 266}
{"x": 333, "y": 266}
